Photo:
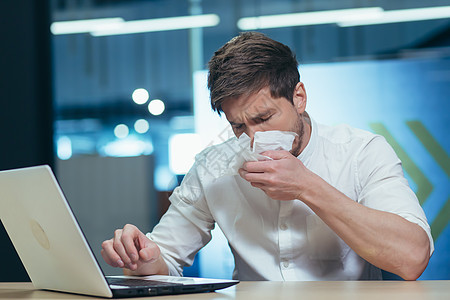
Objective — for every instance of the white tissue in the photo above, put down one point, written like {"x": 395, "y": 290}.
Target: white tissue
{"x": 273, "y": 140}
{"x": 263, "y": 141}
{"x": 229, "y": 161}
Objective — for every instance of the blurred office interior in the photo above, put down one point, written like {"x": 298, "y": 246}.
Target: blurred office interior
{"x": 118, "y": 105}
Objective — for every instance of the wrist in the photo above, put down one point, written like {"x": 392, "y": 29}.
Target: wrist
{"x": 156, "y": 267}
{"x": 313, "y": 190}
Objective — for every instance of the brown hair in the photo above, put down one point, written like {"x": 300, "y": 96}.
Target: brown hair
{"x": 248, "y": 63}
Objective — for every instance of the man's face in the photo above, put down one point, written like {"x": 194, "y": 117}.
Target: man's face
{"x": 262, "y": 112}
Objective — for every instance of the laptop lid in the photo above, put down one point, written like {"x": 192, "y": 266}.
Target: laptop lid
{"x": 45, "y": 234}
{"x": 51, "y": 245}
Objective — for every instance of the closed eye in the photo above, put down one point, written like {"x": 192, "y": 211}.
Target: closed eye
{"x": 262, "y": 120}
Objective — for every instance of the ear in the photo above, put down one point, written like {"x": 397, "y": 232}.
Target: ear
{"x": 299, "y": 98}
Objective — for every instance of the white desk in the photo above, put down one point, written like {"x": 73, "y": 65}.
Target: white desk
{"x": 261, "y": 290}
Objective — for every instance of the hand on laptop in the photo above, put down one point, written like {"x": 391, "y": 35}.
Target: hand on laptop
{"x": 134, "y": 251}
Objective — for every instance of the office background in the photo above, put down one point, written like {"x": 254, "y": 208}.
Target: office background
{"x": 77, "y": 101}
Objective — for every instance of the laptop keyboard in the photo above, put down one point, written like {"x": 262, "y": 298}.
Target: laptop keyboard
{"x": 139, "y": 282}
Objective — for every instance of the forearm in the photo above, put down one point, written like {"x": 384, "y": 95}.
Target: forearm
{"x": 386, "y": 240}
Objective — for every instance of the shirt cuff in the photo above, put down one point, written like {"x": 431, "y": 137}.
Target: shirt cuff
{"x": 424, "y": 226}
{"x": 173, "y": 271}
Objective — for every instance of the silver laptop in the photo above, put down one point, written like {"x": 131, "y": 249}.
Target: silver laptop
{"x": 54, "y": 250}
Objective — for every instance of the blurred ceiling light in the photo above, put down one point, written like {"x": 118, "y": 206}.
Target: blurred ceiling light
{"x": 140, "y": 96}
{"x": 161, "y": 24}
{"x": 156, "y": 107}
{"x": 64, "y": 148}
{"x": 309, "y": 18}
{"x": 121, "y": 131}
{"x": 141, "y": 126}
{"x": 127, "y": 147}
{"x": 83, "y": 26}
{"x": 345, "y": 17}
{"x": 403, "y": 15}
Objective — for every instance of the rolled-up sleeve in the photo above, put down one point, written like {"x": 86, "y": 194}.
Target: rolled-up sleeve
{"x": 383, "y": 186}
{"x": 186, "y": 227}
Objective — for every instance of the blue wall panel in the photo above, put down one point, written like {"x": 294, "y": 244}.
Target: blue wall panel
{"x": 407, "y": 100}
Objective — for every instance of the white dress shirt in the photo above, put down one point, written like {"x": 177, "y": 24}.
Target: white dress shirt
{"x": 286, "y": 240}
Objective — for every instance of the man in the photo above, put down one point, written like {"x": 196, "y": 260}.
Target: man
{"x": 336, "y": 207}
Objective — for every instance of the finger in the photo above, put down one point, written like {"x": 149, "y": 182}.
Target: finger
{"x": 277, "y": 154}
{"x": 251, "y": 177}
{"x": 242, "y": 172}
{"x": 258, "y": 185}
{"x": 130, "y": 238}
{"x": 150, "y": 252}
{"x": 256, "y": 178}
{"x": 106, "y": 258}
{"x": 258, "y": 166}
{"x": 110, "y": 256}
{"x": 119, "y": 247}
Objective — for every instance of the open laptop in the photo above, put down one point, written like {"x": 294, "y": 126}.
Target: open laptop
{"x": 54, "y": 250}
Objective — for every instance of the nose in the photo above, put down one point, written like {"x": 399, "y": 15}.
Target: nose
{"x": 251, "y": 133}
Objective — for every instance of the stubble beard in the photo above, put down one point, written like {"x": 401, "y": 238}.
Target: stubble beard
{"x": 299, "y": 129}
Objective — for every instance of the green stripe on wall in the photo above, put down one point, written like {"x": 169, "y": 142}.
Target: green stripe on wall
{"x": 424, "y": 186}
{"x": 431, "y": 145}
{"x": 441, "y": 221}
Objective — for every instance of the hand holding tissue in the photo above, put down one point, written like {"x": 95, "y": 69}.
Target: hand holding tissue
{"x": 263, "y": 141}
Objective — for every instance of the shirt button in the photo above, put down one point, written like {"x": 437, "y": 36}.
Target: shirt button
{"x": 283, "y": 227}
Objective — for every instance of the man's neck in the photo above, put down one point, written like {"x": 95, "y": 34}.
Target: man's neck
{"x": 307, "y": 125}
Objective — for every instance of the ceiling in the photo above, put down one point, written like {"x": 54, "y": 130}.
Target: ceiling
{"x": 95, "y": 76}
